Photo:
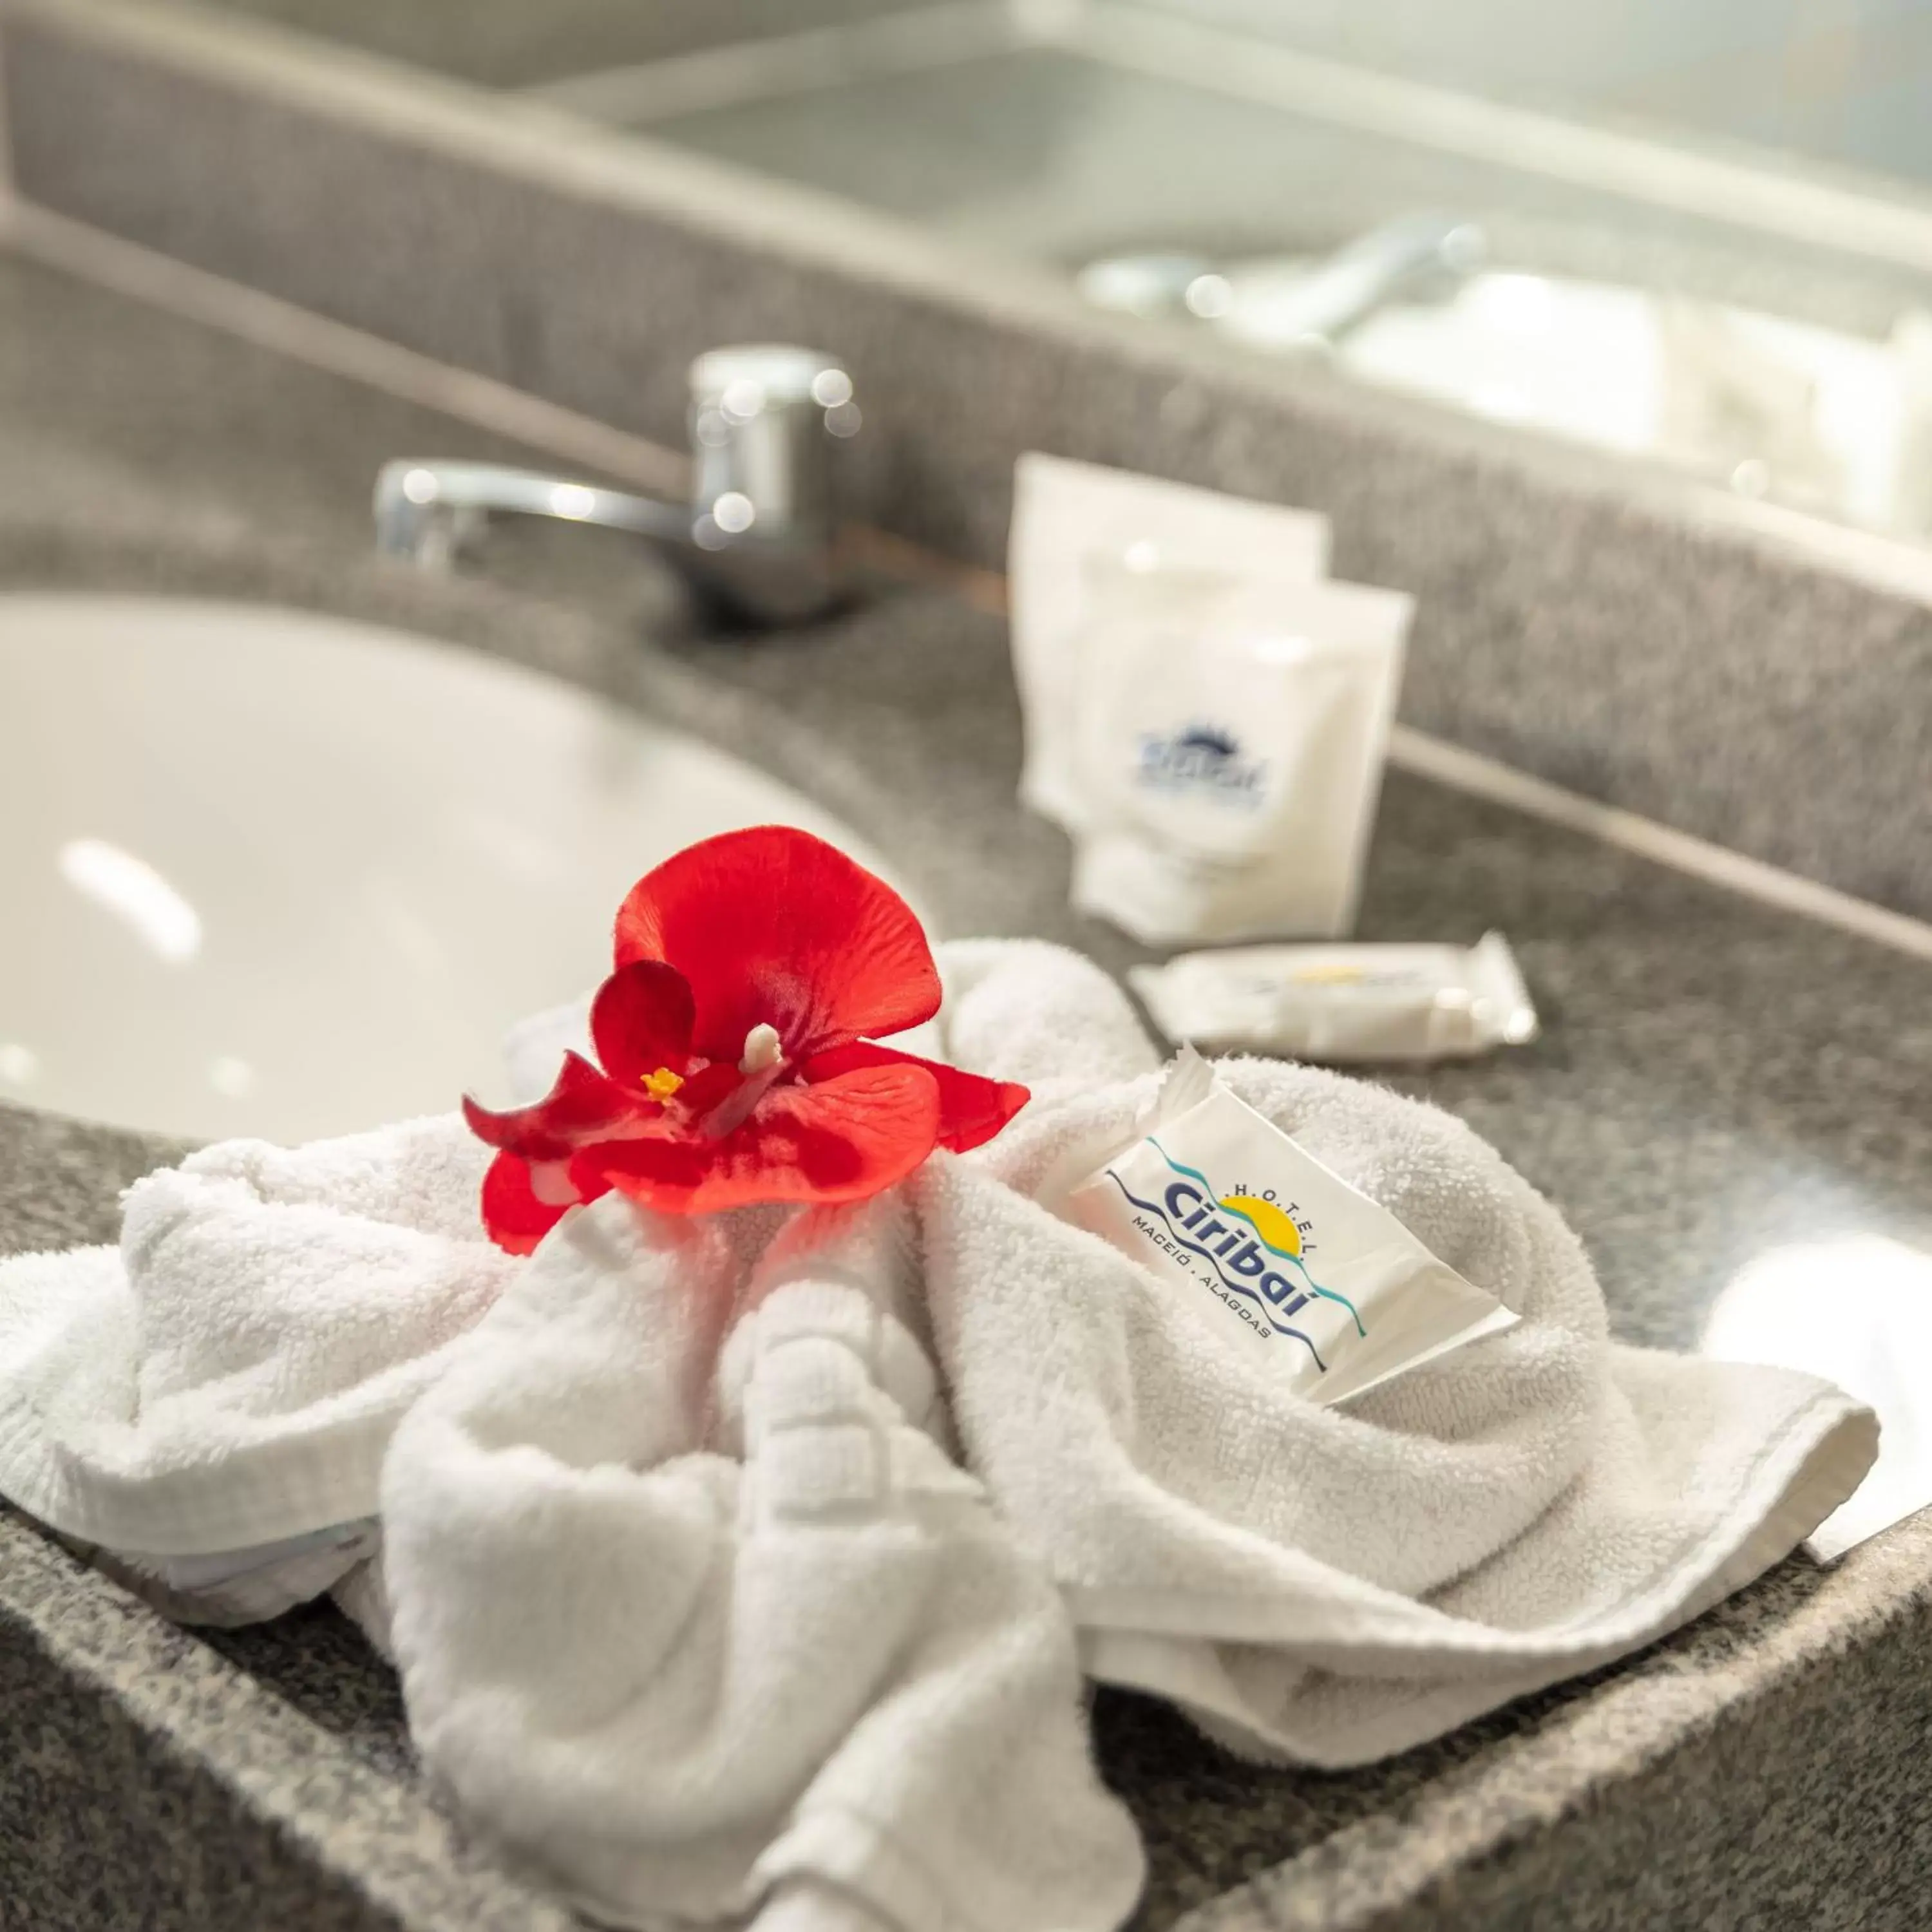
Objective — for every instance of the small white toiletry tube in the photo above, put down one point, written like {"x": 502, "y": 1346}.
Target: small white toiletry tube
{"x": 1345, "y": 1005}
{"x": 1230, "y": 731}
{"x": 1065, "y": 513}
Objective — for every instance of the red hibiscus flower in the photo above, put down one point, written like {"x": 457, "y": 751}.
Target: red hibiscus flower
{"x": 735, "y": 1066}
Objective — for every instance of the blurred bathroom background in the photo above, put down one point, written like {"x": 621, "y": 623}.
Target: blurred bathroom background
{"x": 1698, "y": 236}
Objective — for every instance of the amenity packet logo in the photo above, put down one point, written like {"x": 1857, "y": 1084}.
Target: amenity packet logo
{"x": 1265, "y": 1281}
{"x": 1275, "y": 1251}
{"x": 1203, "y": 759}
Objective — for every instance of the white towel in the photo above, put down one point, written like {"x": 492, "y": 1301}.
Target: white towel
{"x": 695, "y": 1612}
{"x": 230, "y": 1375}
{"x": 1332, "y": 1585}
{"x": 694, "y": 1601}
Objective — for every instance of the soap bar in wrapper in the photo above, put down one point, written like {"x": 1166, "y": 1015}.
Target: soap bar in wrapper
{"x": 1343, "y": 1003}
{"x": 1279, "y": 1256}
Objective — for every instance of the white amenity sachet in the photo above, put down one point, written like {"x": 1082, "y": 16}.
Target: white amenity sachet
{"x": 1065, "y": 514}
{"x": 1343, "y": 1004}
{"x": 1230, "y": 735}
{"x": 1278, "y": 1254}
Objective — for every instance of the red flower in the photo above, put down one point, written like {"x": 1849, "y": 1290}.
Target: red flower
{"x": 734, "y": 1068}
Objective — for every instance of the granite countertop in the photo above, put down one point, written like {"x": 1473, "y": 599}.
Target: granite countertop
{"x": 1716, "y": 1078}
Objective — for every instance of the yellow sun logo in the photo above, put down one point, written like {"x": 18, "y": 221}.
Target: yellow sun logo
{"x": 1269, "y": 1223}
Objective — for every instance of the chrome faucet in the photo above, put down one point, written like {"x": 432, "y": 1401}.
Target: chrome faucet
{"x": 1306, "y": 304}
{"x": 757, "y": 534}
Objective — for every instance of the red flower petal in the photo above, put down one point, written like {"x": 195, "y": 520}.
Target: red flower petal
{"x": 641, "y": 1021}
{"x": 709, "y": 1087}
{"x": 972, "y": 1108}
{"x": 773, "y": 926}
{"x": 842, "y": 1139}
{"x": 583, "y": 1106}
{"x": 513, "y": 1217}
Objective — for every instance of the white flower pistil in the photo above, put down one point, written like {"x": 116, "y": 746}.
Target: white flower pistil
{"x": 761, "y": 1063}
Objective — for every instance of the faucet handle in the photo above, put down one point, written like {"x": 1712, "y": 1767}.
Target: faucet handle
{"x": 764, "y": 418}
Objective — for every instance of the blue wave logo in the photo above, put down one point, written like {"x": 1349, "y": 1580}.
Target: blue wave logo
{"x": 1294, "y": 1260}
{"x": 1275, "y": 1280}
{"x": 1249, "y": 1291}
{"x": 1201, "y": 758}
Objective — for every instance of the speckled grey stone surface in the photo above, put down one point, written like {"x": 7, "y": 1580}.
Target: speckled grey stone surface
{"x": 148, "y": 1780}
{"x": 1577, "y": 620}
{"x": 1714, "y": 1079}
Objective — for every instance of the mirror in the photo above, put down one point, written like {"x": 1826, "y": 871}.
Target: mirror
{"x": 1697, "y": 237}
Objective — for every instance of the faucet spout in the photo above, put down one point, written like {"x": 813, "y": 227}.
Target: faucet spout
{"x": 425, "y": 511}
{"x": 757, "y": 537}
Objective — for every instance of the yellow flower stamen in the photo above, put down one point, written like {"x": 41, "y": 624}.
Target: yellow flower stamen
{"x": 663, "y": 1084}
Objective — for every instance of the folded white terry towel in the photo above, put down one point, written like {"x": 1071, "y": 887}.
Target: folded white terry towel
{"x": 1333, "y": 1585}
{"x": 229, "y": 1376}
{"x": 695, "y": 1612}
{"x": 694, "y": 1599}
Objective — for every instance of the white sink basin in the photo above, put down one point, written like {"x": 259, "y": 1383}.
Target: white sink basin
{"x": 267, "y": 873}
